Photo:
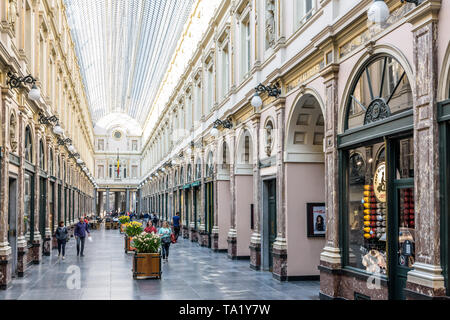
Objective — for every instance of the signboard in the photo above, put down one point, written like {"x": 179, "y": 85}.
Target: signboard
{"x": 316, "y": 217}
{"x": 379, "y": 182}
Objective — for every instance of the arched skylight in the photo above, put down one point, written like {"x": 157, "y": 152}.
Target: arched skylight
{"x": 123, "y": 48}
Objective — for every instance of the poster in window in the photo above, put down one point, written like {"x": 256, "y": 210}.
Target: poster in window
{"x": 316, "y": 217}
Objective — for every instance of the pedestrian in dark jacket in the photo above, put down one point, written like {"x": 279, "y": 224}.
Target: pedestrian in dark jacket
{"x": 81, "y": 228}
{"x": 61, "y": 235}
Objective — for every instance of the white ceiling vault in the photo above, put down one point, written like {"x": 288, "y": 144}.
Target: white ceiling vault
{"x": 124, "y": 48}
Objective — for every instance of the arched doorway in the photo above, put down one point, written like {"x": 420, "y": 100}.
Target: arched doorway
{"x": 305, "y": 186}
{"x": 243, "y": 191}
{"x": 223, "y": 197}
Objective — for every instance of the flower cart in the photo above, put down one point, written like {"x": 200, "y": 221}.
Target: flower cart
{"x": 132, "y": 229}
{"x": 147, "y": 257}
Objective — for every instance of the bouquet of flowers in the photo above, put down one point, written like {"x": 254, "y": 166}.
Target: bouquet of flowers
{"x": 147, "y": 243}
{"x": 134, "y": 228}
{"x": 124, "y": 219}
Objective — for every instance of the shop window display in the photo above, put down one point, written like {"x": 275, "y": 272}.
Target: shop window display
{"x": 367, "y": 212}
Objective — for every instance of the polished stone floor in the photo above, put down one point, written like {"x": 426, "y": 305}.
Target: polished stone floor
{"x": 192, "y": 272}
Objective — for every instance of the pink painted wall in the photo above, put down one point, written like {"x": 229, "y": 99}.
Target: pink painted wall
{"x": 305, "y": 182}
{"x": 244, "y": 197}
{"x": 224, "y": 212}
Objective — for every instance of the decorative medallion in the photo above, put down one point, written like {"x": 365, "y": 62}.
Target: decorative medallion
{"x": 377, "y": 110}
{"x": 117, "y": 135}
{"x": 379, "y": 182}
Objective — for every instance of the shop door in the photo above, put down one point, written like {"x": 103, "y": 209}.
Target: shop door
{"x": 12, "y": 223}
{"x": 42, "y": 205}
{"x": 195, "y": 206}
{"x": 402, "y": 219}
{"x": 272, "y": 217}
{"x": 186, "y": 207}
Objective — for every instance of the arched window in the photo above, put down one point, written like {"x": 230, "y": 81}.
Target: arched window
{"x": 209, "y": 165}
{"x": 50, "y": 169}
{"x": 182, "y": 175}
{"x": 28, "y": 145}
{"x": 198, "y": 170}
{"x": 189, "y": 173}
{"x": 381, "y": 89}
{"x": 246, "y": 149}
{"x": 41, "y": 155}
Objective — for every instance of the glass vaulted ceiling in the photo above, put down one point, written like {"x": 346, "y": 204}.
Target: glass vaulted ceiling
{"x": 123, "y": 48}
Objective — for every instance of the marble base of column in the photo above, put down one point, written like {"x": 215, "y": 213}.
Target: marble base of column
{"x": 255, "y": 253}
{"x": 279, "y": 252}
{"x": 215, "y": 239}
{"x": 35, "y": 251}
{"x": 47, "y": 243}
{"x": 5, "y": 267}
{"x": 185, "y": 232}
{"x": 425, "y": 282}
{"x": 330, "y": 275}
{"x": 22, "y": 256}
{"x": 232, "y": 244}
{"x": 193, "y": 235}
{"x": 54, "y": 243}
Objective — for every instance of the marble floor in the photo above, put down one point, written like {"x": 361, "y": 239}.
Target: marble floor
{"x": 192, "y": 272}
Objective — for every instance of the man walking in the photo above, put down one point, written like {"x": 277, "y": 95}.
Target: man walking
{"x": 81, "y": 228}
{"x": 176, "y": 225}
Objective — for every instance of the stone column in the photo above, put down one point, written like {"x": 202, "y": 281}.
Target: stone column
{"x": 280, "y": 244}
{"x": 201, "y": 206}
{"x": 215, "y": 230}
{"x": 36, "y": 250}
{"x": 47, "y": 243}
{"x": 5, "y": 248}
{"x": 127, "y": 205}
{"x": 22, "y": 247}
{"x": 107, "y": 201}
{"x": 426, "y": 278}
{"x": 232, "y": 233}
{"x": 330, "y": 258}
{"x": 255, "y": 241}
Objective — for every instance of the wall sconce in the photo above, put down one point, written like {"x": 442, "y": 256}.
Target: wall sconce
{"x": 15, "y": 82}
{"x": 272, "y": 91}
{"x": 379, "y": 12}
{"x": 47, "y": 120}
{"x": 227, "y": 124}
{"x": 62, "y": 142}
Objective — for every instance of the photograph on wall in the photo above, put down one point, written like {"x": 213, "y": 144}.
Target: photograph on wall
{"x": 316, "y": 219}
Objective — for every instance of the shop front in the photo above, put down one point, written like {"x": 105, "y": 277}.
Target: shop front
{"x": 444, "y": 137}
{"x": 376, "y": 178}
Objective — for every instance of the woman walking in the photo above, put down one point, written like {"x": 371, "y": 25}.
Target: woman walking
{"x": 61, "y": 235}
{"x": 164, "y": 232}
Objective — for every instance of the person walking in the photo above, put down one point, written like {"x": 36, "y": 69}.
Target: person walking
{"x": 155, "y": 219}
{"x": 164, "y": 232}
{"x": 150, "y": 228}
{"x": 146, "y": 218}
{"x": 61, "y": 235}
{"x": 81, "y": 228}
{"x": 176, "y": 225}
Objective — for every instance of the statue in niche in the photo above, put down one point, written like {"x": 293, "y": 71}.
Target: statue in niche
{"x": 13, "y": 13}
{"x": 270, "y": 23}
{"x": 12, "y": 134}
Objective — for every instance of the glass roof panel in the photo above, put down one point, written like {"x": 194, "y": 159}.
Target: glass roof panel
{"x": 123, "y": 49}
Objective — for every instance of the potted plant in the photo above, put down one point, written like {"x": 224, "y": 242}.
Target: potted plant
{"x": 132, "y": 229}
{"x": 147, "y": 257}
{"x": 124, "y": 220}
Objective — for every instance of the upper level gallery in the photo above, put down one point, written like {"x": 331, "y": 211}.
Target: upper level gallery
{"x": 241, "y": 44}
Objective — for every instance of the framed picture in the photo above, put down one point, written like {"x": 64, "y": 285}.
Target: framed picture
{"x": 316, "y": 219}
